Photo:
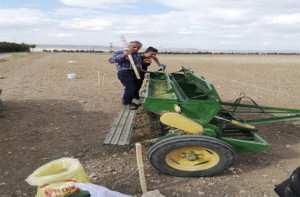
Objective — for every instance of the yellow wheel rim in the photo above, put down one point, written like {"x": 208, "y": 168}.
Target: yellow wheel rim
{"x": 192, "y": 159}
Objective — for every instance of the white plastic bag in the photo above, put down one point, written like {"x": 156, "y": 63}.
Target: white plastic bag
{"x": 99, "y": 191}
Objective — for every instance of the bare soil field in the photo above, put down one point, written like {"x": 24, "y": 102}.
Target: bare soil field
{"x": 46, "y": 116}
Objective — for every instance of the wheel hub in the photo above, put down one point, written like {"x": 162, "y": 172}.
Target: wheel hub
{"x": 190, "y": 156}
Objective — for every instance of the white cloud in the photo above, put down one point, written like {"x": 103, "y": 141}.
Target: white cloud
{"x": 97, "y": 3}
{"x": 286, "y": 19}
{"x": 257, "y": 6}
{"x": 75, "y": 12}
{"x": 94, "y": 24}
{"x": 63, "y": 35}
{"x": 23, "y": 18}
{"x": 208, "y": 24}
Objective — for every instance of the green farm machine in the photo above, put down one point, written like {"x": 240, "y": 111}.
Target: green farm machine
{"x": 200, "y": 133}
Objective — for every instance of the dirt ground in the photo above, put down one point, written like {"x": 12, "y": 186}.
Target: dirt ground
{"x": 46, "y": 116}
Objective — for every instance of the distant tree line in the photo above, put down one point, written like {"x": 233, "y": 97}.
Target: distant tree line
{"x": 179, "y": 52}
{"x": 233, "y": 53}
{"x": 6, "y": 47}
{"x": 73, "y": 51}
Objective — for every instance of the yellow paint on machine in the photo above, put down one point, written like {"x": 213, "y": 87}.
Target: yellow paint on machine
{"x": 181, "y": 122}
{"x": 240, "y": 124}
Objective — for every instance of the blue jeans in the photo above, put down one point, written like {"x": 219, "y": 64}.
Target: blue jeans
{"x": 131, "y": 84}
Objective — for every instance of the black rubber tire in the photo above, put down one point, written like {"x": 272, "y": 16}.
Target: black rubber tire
{"x": 1, "y": 102}
{"x": 158, "y": 152}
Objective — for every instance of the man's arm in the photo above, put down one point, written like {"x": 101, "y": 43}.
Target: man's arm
{"x": 162, "y": 66}
{"x": 117, "y": 57}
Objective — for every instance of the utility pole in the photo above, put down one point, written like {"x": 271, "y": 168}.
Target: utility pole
{"x": 110, "y": 47}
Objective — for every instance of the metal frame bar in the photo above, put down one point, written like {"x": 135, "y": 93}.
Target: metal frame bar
{"x": 291, "y": 114}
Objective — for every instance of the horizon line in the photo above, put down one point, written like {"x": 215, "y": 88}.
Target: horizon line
{"x": 174, "y": 49}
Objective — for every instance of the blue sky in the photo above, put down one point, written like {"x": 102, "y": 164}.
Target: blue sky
{"x": 272, "y": 25}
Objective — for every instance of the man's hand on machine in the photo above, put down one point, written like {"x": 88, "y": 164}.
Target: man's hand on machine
{"x": 162, "y": 66}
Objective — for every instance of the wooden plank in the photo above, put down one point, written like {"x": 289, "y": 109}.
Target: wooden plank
{"x": 140, "y": 163}
{"x": 110, "y": 134}
{"x": 121, "y": 130}
{"x": 128, "y": 127}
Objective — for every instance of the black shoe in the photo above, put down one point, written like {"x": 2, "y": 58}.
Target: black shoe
{"x": 137, "y": 102}
{"x": 131, "y": 106}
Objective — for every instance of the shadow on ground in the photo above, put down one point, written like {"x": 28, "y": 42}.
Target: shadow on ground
{"x": 36, "y": 132}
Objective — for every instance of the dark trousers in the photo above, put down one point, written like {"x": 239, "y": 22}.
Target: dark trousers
{"x": 142, "y": 75}
{"x": 131, "y": 84}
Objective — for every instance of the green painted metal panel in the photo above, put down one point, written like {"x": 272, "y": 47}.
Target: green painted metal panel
{"x": 256, "y": 144}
